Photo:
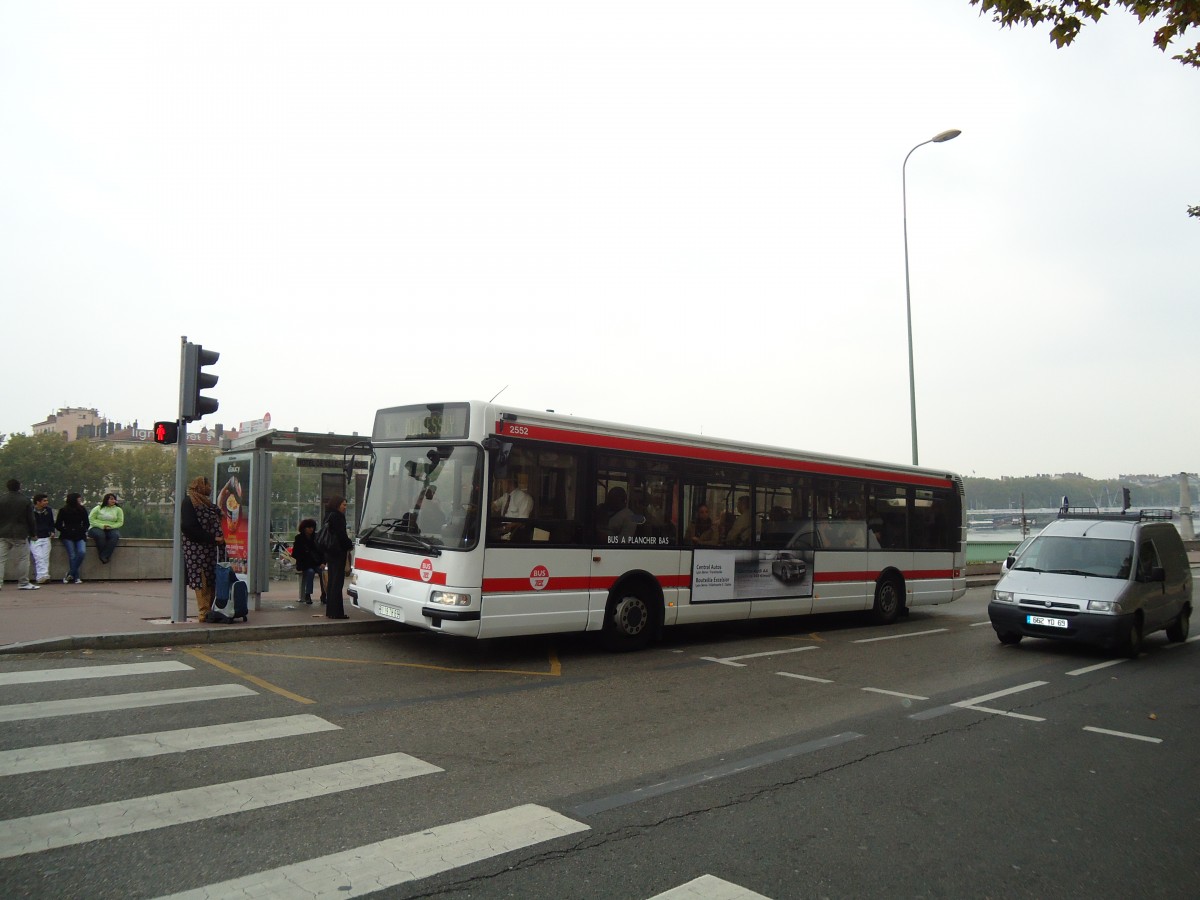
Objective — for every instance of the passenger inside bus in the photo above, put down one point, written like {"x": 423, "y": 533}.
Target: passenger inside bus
{"x": 740, "y": 531}
{"x": 616, "y": 519}
{"x": 703, "y": 531}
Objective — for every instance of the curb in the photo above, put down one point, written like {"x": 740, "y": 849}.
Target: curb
{"x": 223, "y": 634}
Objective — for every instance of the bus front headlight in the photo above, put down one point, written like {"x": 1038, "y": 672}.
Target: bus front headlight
{"x": 1002, "y": 596}
{"x": 449, "y": 598}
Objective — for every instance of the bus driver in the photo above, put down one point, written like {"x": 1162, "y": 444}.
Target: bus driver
{"x": 513, "y": 504}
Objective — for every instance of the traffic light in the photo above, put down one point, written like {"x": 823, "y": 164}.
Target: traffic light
{"x": 166, "y": 432}
{"x": 193, "y": 404}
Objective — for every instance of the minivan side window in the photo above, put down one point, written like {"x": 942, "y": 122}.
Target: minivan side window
{"x": 1147, "y": 560}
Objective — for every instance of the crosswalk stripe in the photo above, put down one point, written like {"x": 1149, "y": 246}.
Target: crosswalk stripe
{"x": 373, "y": 867}
{"x": 709, "y": 887}
{"x": 82, "y": 753}
{"x": 46, "y": 709}
{"x": 34, "y": 834}
{"x": 40, "y": 676}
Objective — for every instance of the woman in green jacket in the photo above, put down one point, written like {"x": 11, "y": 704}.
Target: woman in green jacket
{"x": 106, "y": 519}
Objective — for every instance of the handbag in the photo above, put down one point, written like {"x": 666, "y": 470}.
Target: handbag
{"x": 326, "y": 540}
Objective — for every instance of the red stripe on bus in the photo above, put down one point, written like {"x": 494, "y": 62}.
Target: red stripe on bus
{"x": 408, "y": 573}
{"x": 919, "y": 575}
{"x": 728, "y": 457}
{"x": 578, "y": 583}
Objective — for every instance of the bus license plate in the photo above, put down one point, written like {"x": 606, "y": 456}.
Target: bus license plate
{"x": 1046, "y": 622}
{"x": 389, "y": 612}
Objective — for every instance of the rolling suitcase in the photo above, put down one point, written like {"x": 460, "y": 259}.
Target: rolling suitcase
{"x": 241, "y": 598}
{"x": 230, "y": 597}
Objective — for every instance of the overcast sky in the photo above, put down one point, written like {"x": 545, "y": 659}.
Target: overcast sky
{"x": 684, "y": 215}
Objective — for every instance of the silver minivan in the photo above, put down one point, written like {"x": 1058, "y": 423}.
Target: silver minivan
{"x": 1101, "y": 579}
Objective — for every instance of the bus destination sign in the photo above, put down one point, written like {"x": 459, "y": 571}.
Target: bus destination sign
{"x": 414, "y": 423}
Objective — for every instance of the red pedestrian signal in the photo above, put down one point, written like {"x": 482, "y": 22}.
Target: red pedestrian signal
{"x": 166, "y": 432}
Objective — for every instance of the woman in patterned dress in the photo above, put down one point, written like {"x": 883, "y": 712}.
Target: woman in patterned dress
{"x": 200, "y": 523}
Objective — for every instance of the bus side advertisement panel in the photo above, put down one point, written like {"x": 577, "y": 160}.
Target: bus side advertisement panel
{"x": 724, "y": 575}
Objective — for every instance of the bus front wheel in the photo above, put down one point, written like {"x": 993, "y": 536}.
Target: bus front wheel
{"x": 629, "y": 619}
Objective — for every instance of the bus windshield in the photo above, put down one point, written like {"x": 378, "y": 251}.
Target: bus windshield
{"x": 423, "y": 497}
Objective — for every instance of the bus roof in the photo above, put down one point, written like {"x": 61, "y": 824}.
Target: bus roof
{"x": 507, "y": 421}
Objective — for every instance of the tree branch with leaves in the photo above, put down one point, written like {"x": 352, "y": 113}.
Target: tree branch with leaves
{"x": 1067, "y": 18}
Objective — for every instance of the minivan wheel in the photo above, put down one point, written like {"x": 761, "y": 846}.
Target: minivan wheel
{"x": 1177, "y": 631}
{"x": 1009, "y": 637}
{"x": 1133, "y": 640}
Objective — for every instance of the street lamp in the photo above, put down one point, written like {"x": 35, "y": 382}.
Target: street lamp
{"x": 912, "y": 380}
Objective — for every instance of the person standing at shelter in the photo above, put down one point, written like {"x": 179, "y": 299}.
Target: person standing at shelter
{"x": 17, "y": 528}
{"x": 335, "y": 560}
{"x": 200, "y": 525}
{"x": 43, "y": 520}
{"x": 308, "y": 559}
{"x": 71, "y": 523}
{"x": 106, "y": 520}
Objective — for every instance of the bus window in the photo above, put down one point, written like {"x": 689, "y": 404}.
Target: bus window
{"x": 784, "y": 511}
{"x": 841, "y": 524}
{"x": 887, "y": 520}
{"x": 635, "y": 499}
{"x": 535, "y": 499}
{"x": 934, "y": 520}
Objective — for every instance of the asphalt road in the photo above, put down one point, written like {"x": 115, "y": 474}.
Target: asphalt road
{"x": 817, "y": 757}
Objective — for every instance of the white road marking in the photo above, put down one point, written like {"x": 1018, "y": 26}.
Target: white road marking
{"x": 977, "y": 624}
{"x": 33, "y": 834}
{"x": 82, "y": 753}
{"x": 896, "y": 637}
{"x": 893, "y": 693}
{"x": 1124, "y": 734}
{"x": 47, "y": 708}
{"x": 730, "y": 660}
{"x": 1004, "y": 712}
{"x": 974, "y": 702}
{"x": 709, "y": 887}
{"x": 1104, "y": 665}
{"x": 39, "y": 676}
{"x": 1004, "y": 693}
{"x": 805, "y": 677}
{"x": 374, "y": 867}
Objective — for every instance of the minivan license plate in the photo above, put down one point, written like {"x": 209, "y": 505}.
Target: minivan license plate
{"x": 1046, "y": 622}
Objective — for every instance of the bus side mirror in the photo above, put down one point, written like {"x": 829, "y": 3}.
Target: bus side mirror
{"x": 1158, "y": 573}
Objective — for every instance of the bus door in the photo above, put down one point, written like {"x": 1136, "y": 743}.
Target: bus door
{"x": 536, "y": 566}
{"x": 887, "y": 531}
{"x": 634, "y": 533}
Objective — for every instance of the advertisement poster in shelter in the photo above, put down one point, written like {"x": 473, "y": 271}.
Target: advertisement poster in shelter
{"x": 233, "y": 502}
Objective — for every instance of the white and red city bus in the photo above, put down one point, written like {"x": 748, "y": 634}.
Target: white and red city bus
{"x": 481, "y": 520}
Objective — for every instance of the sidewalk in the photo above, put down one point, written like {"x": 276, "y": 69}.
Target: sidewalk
{"x": 124, "y": 614}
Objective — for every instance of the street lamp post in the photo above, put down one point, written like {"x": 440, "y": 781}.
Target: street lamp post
{"x": 912, "y": 380}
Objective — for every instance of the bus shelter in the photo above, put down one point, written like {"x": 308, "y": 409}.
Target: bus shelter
{"x": 242, "y": 482}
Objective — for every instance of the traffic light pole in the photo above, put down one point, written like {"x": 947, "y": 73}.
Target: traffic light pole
{"x": 178, "y": 577}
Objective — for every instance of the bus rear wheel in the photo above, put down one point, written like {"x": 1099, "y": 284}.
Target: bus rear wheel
{"x": 629, "y": 619}
{"x": 889, "y": 601}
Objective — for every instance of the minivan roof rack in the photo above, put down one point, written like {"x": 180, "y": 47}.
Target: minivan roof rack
{"x": 1091, "y": 512}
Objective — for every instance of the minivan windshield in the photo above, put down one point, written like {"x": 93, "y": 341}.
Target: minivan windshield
{"x": 423, "y": 497}
{"x": 1101, "y": 557}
